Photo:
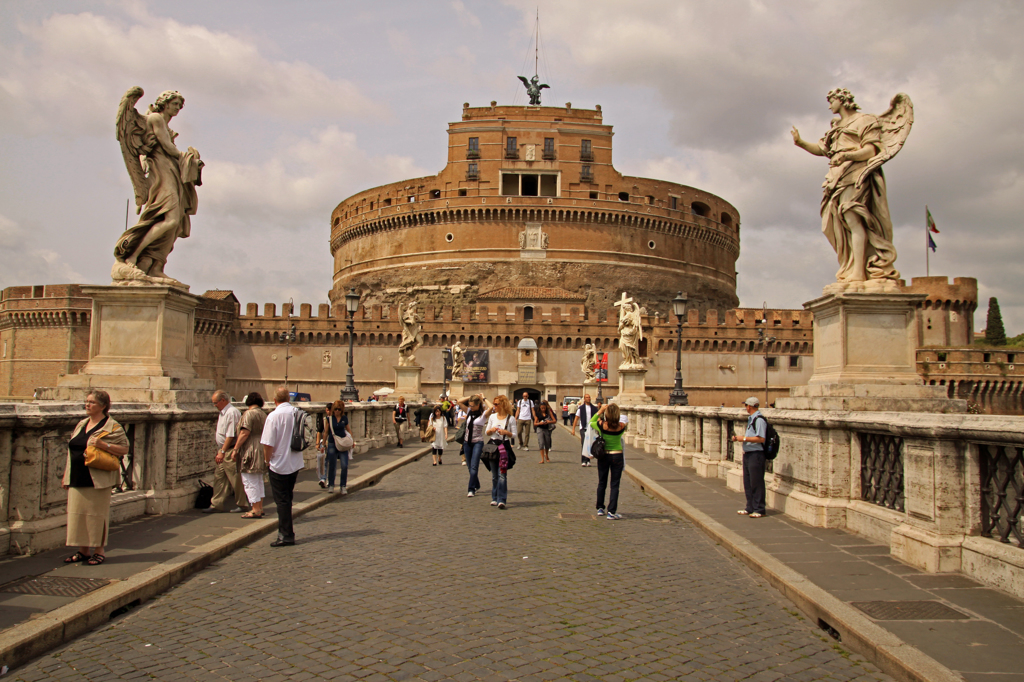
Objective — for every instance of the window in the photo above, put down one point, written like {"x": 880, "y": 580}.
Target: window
{"x": 387, "y": 202}
{"x": 726, "y": 218}
{"x": 586, "y": 151}
{"x": 473, "y": 171}
{"x": 623, "y": 196}
{"x": 986, "y": 357}
{"x": 549, "y": 148}
{"x": 435, "y": 194}
{"x": 794, "y": 362}
{"x": 701, "y": 209}
{"x": 473, "y": 148}
{"x": 593, "y": 195}
{"x": 528, "y": 315}
{"x": 529, "y": 184}
{"x": 462, "y": 192}
{"x": 511, "y": 148}
{"x": 412, "y": 198}
{"x": 650, "y": 200}
{"x": 673, "y": 203}
{"x": 771, "y": 362}
{"x": 942, "y": 357}
{"x": 1010, "y": 357}
{"x": 586, "y": 174}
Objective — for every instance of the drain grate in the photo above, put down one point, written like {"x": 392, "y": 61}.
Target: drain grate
{"x": 576, "y": 517}
{"x": 909, "y": 610}
{"x": 673, "y": 480}
{"x": 54, "y": 586}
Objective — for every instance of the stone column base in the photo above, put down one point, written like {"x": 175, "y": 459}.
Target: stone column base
{"x": 871, "y": 398}
{"x": 928, "y": 551}
{"x": 667, "y": 451}
{"x": 632, "y": 387}
{"x": 705, "y": 468}
{"x": 131, "y": 389}
{"x": 407, "y": 383}
{"x": 821, "y": 512}
{"x": 683, "y": 458}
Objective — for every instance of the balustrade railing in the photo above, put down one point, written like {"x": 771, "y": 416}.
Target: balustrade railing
{"x": 881, "y": 470}
{"x": 1002, "y": 492}
{"x": 127, "y": 480}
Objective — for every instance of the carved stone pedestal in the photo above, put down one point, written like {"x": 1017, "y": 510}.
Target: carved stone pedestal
{"x": 407, "y": 383}
{"x": 456, "y": 389}
{"x": 632, "y": 387}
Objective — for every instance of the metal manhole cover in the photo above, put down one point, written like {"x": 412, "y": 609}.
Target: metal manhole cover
{"x": 54, "y": 586}
{"x": 909, "y": 610}
{"x": 576, "y": 517}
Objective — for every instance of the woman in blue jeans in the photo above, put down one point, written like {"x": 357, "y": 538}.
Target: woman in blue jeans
{"x": 473, "y": 444}
{"x": 336, "y": 424}
{"x": 607, "y": 425}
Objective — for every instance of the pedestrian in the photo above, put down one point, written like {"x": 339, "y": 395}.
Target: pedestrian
{"x": 584, "y": 414}
{"x": 478, "y": 411}
{"x": 446, "y": 410}
{"x": 460, "y": 416}
{"x": 565, "y": 414}
{"x": 284, "y": 463}
{"x": 753, "y": 459}
{"x": 501, "y": 429}
{"x": 526, "y": 414}
{"x": 545, "y": 424}
{"x": 423, "y": 413}
{"x": 440, "y": 425}
{"x": 92, "y": 470}
{"x": 321, "y": 450}
{"x": 228, "y": 490}
{"x": 336, "y": 425}
{"x": 605, "y": 424}
{"x": 399, "y": 417}
{"x": 573, "y": 407}
{"x": 248, "y": 453}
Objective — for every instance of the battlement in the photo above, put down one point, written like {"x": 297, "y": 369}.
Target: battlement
{"x": 962, "y": 293}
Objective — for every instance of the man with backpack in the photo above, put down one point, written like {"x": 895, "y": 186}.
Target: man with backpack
{"x": 754, "y": 459}
{"x": 285, "y": 436}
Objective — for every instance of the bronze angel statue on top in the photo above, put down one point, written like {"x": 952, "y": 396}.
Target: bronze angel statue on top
{"x": 165, "y": 182}
{"x": 533, "y": 88}
{"x": 854, "y": 205}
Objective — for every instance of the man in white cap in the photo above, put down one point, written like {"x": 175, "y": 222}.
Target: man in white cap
{"x": 753, "y": 459}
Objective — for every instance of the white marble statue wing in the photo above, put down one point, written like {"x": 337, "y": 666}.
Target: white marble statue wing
{"x": 131, "y": 128}
{"x": 896, "y": 123}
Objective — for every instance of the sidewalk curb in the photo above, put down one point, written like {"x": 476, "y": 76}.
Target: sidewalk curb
{"x": 24, "y": 642}
{"x": 883, "y": 648}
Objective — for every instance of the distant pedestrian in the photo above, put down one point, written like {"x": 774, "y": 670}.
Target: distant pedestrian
{"x": 460, "y": 416}
{"x": 399, "y": 418}
{"x": 284, "y": 463}
{"x": 321, "y": 446}
{"x": 440, "y": 425}
{"x": 248, "y": 453}
{"x": 336, "y": 425}
{"x": 584, "y": 414}
{"x": 423, "y": 413}
{"x": 605, "y": 424}
{"x": 479, "y": 410}
{"x": 565, "y": 414}
{"x": 573, "y": 407}
{"x": 89, "y": 481}
{"x": 228, "y": 491}
{"x": 544, "y": 424}
{"x": 753, "y": 459}
{"x": 525, "y": 415}
{"x": 501, "y": 429}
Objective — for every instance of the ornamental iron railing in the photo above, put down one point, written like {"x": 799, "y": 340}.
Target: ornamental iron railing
{"x": 127, "y": 480}
{"x": 881, "y": 470}
{"x": 1002, "y": 492}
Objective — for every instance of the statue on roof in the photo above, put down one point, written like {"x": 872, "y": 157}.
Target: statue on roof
{"x": 533, "y": 88}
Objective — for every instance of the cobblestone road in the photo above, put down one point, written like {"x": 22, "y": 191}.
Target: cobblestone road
{"x": 412, "y": 580}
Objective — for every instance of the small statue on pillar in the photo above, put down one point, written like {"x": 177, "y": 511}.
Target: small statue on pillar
{"x": 587, "y": 363}
{"x": 631, "y": 332}
{"x": 411, "y": 338}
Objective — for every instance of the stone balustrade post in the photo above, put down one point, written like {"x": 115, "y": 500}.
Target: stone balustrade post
{"x": 654, "y": 429}
{"x": 706, "y": 464}
{"x": 669, "y": 445}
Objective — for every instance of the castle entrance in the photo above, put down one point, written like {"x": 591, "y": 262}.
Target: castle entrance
{"x": 517, "y": 393}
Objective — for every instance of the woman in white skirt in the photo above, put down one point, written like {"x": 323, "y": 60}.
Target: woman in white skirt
{"x": 248, "y": 453}
{"x": 440, "y": 424}
{"x": 88, "y": 487}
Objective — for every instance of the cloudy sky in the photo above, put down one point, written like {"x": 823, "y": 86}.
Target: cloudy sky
{"x": 294, "y": 106}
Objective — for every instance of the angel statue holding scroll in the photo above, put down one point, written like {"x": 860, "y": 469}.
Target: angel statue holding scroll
{"x": 165, "y": 182}
{"x": 587, "y": 363}
{"x": 411, "y": 339}
{"x": 854, "y": 207}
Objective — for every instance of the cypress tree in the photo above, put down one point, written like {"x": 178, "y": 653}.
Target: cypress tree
{"x": 995, "y": 333}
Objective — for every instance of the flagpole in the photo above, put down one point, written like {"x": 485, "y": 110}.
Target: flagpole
{"x": 927, "y": 260}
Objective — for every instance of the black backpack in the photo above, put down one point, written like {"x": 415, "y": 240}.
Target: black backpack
{"x": 771, "y": 440}
{"x": 300, "y": 440}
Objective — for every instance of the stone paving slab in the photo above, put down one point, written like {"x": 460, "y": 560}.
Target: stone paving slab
{"x": 987, "y": 646}
{"x": 412, "y": 580}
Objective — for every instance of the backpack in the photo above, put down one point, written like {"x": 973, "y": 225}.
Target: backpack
{"x": 300, "y": 439}
{"x": 771, "y": 440}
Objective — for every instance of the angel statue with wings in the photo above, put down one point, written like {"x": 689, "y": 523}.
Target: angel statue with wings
{"x": 587, "y": 363}
{"x": 854, "y": 207}
{"x": 411, "y": 339}
{"x": 165, "y": 182}
{"x": 533, "y": 88}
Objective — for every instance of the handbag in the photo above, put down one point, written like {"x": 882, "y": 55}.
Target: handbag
{"x": 597, "y": 449}
{"x": 205, "y": 496}
{"x": 460, "y": 433}
{"x": 430, "y": 432}
{"x": 100, "y": 459}
{"x": 342, "y": 443}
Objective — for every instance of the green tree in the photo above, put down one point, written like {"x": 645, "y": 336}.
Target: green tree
{"x": 995, "y": 333}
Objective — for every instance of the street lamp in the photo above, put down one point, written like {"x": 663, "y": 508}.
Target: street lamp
{"x": 678, "y": 395}
{"x": 762, "y": 335}
{"x": 288, "y": 338}
{"x": 351, "y": 306}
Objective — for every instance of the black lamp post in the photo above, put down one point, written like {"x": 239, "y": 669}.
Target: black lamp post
{"x": 288, "y": 338}
{"x": 351, "y": 306}
{"x": 678, "y": 395}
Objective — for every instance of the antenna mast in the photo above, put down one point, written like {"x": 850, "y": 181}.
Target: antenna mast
{"x": 536, "y": 43}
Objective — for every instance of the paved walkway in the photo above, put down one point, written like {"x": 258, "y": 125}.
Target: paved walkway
{"x": 985, "y": 642}
{"x": 147, "y": 541}
{"x": 412, "y": 580}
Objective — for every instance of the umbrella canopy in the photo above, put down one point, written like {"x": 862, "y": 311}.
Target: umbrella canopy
{"x": 384, "y": 391}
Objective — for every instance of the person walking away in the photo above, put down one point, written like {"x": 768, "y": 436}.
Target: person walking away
{"x": 605, "y": 424}
{"x": 753, "y": 459}
{"x": 573, "y": 406}
{"x": 526, "y": 414}
{"x": 565, "y": 414}
{"x": 88, "y": 485}
{"x": 460, "y": 416}
{"x": 478, "y": 411}
{"x": 321, "y": 451}
{"x": 440, "y": 424}
{"x": 501, "y": 428}
{"x": 423, "y": 413}
{"x": 336, "y": 424}
{"x": 400, "y": 416}
{"x": 284, "y": 463}
{"x": 227, "y": 481}
{"x": 545, "y": 424}
{"x": 584, "y": 414}
{"x": 248, "y": 454}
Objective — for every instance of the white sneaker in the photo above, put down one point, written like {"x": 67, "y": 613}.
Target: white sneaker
{"x": 583, "y": 464}
{"x": 525, "y": 448}
{"x": 344, "y": 490}
{"x": 463, "y": 462}
{"x": 330, "y": 489}
{"x": 493, "y": 503}
{"x": 501, "y": 505}
{"x": 470, "y": 494}
{"x": 600, "y": 512}
{"x": 614, "y": 517}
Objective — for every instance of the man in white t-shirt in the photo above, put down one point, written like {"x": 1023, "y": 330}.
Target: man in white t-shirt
{"x": 285, "y": 463}
{"x": 525, "y": 415}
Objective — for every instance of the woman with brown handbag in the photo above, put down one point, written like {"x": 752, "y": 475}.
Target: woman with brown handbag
{"x": 93, "y": 469}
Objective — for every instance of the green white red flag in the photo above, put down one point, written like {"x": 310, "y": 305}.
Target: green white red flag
{"x": 930, "y": 221}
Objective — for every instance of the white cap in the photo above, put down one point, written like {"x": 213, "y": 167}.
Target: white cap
{"x": 752, "y": 401}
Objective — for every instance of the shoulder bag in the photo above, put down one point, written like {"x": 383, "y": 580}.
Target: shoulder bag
{"x": 100, "y": 459}
{"x": 341, "y": 443}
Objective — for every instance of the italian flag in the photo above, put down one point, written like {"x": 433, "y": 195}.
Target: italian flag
{"x": 930, "y": 221}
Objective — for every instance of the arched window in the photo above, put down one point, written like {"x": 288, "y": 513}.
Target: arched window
{"x": 701, "y": 209}
{"x": 528, "y": 313}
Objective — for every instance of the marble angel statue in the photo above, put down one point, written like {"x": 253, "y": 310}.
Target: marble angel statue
{"x": 587, "y": 363}
{"x": 631, "y": 333}
{"x": 854, "y": 206}
{"x": 458, "y": 361}
{"x": 165, "y": 181}
{"x": 411, "y": 339}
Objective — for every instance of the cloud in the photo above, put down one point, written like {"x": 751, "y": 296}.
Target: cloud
{"x": 465, "y": 17}
{"x": 23, "y": 261}
{"x": 69, "y": 68}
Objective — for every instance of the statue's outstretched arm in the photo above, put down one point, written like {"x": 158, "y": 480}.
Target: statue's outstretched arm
{"x": 811, "y": 147}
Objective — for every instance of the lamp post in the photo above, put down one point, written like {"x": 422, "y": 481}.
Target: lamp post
{"x": 678, "y": 395}
{"x": 351, "y": 306}
{"x": 762, "y": 335}
{"x": 288, "y": 338}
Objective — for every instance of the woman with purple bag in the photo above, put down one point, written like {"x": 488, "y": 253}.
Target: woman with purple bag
{"x": 501, "y": 430}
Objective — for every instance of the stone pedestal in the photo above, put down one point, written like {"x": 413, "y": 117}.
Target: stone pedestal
{"x": 407, "y": 383}
{"x": 632, "y": 387}
{"x": 457, "y": 389}
{"x": 865, "y": 357}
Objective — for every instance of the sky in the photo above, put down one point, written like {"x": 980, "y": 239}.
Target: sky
{"x": 295, "y": 106}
